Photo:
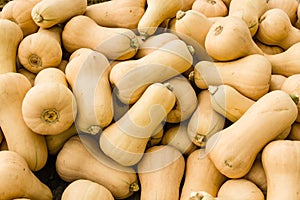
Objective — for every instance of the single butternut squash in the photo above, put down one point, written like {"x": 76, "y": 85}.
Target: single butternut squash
{"x": 247, "y": 136}
{"x": 125, "y": 140}
{"x": 211, "y": 8}
{"x": 17, "y": 180}
{"x": 288, "y": 6}
{"x": 10, "y": 37}
{"x": 48, "y": 13}
{"x": 161, "y": 163}
{"x": 114, "y": 43}
{"x": 41, "y": 50}
{"x": 19, "y": 137}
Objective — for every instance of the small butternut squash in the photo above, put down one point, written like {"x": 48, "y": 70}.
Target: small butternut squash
{"x": 247, "y": 136}
{"x": 19, "y": 137}
{"x": 288, "y": 6}
{"x": 276, "y": 81}
{"x": 19, "y": 11}
{"x": 161, "y": 163}
{"x": 125, "y": 140}
{"x": 85, "y": 189}
{"x": 17, "y": 180}
{"x": 168, "y": 61}
{"x": 249, "y": 75}
{"x": 81, "y": 158}
{"x": 156, "y": 12}
{"x": 205, "y": 121}
{"x": 201, "y": 175}
{"x": 108, "y": 13}
{"x": 281, "y": 163}
{"x": 248, "y": 10}
{"x": 286, "y": 63}
{"x": 48, "y": 13}
{"x": 228, "y": 32}
{"x": 236, "y": 189}
{"x": 227, "y": 101}
{"x": 87, "y": 73}
{"x": 114, "y": 43}
{"x": 211, "y": 8}
{"x": 41, "y": 50}
{"x": 275, "y": 28}
{"x": 10, "y": 37}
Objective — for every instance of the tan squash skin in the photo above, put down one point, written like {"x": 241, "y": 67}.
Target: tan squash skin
{"x": 281, "y": 33}
{"x": 268, "y": 49}
{"x": 81, "y": 158}
{"x": 187, "y": 5}
{"x": 186, "y": 99}
{"x": 108, "y": 13}
{"x": 86, "y": 190}
{"x": 229, "y": 102}
{"x": 161, "y": 164}
{"x": 18, "y": 136}
{"x": 248, "y": 135}
{"x": 205, "y": 121}
{"x": 19, "y": 11}
{"x": 87, "y": 73}
{"x": 210, "y": 8}
{"x": 250, "y": 11}
{"x": 31, "y": 76}
{"x": 156, "y": 12}
{"x": 226, "y": 33}
{"x": 156, "y": 137}
{"x": 289, "y": 6}
{"x": 114, "y": 43}
{"x": 295, "y": 132}
{"x": 249, "y": 75}
{"x": 287, "y": 62}
{"x": 236, "y": 189}
{"x": 51, "y": 12}
{"x": 41, "y": 50}
{"x": 276, "y": 81}
{"x": 168, "y": 61}
{"x": 49, "y": 107}
{"x": 281, "y": 163}
{"x": 10, "y": 37}
{"x": 186, "y": 29}
{"x": 17, "y": 180}
{"x": 201, "y": 175}
{"x": 125, "y": 140}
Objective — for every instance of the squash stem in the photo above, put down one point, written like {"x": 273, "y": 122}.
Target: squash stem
{"x": 50, "y": 116}
{"x": 37, "y": 17}
{"x": 169, "y": 86}
{"x": 180, "y": 14}
{"x": 94, "y": 129}
{"x": 134, "y": 187}
{"x": 212, "y": 89}
{"x": 191, "y": 49}
{"x": 295, "y": 98}
{"x": 144, "y": 36}
{"x": 35, "y": 61}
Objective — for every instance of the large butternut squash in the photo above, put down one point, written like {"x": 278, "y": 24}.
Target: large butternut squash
{"x": 234, "y": 149}
{"x": 19, "y": 137}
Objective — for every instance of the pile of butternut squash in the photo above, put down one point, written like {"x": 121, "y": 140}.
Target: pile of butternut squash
{"x": 170, "y": 99}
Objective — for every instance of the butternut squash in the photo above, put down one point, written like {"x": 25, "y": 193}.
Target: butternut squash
{"x": 233, "y": 150}
{"x": 10, "y": 37}
{"x": 31, "y": 76}
{"x": 186, "y": 29}
{"x": 177, "y": 137}
{"x": 186, "y": 99}
{"x": 86, "y": 190}
{"x": 249, "y": 75}
{"x": 281, "y": 163}
{"x": 41, "y": 50}
{"x": 248, "y": 10}
{"x": 288, "y": 6}
{"x": 295, "y": 132}
{"x": 268, "y": 49}
{"x": 108, "y": 13}
{"x": 205, "y": 121}
{"x": 49, "y": 107}
{"x": 230, "y": 31}
{"x": 168, "y": 61}
{"x": 201, "y": 175}
{"x": 125, "y": 140}
{"x": 275, "y": 28}
{"x": 48, "y": 13}
{"x": 19, "y": 137}
{"x": 201, "y": 195}
{"x": 156, "y": 12}
{"x": 187, "y": 5}
{"x": 286, "y": 63}
{"x": 114, "y": 43}
{"x": 87, "y": 75}
{"x": 17, "y": 180}
{"x": 228, "y": 102}
{"x": 211, "y": 8}
{"x": 236, "y": 189}
{"x": 81, "y": 158}
{"x": 19, "y": 11}
{"x": 161, "y": 163}
{"x": 276, "y": 81}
